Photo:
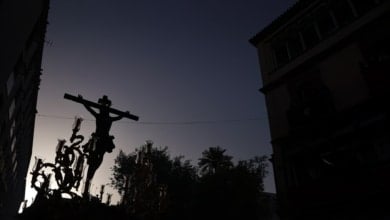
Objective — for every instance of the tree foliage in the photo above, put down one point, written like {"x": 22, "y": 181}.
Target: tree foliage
{"x": 123, "y": 169}
{"x": 153, "y": 184}
{"x": 214, "y": 160}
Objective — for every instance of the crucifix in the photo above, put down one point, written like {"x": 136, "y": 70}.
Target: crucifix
{"x": 101, "y": 141}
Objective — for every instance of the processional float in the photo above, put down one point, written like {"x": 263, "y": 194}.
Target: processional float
{"x": 67, "y": 171}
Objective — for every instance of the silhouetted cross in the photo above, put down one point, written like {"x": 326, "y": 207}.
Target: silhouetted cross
{"x": 101, "y": 140}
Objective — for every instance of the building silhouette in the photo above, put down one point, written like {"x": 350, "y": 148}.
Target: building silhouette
{"x": 325, "y": 66}
{"x": 22, "y": 28}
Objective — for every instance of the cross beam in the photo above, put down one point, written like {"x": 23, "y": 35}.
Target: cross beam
{"x": 96, "y": 105}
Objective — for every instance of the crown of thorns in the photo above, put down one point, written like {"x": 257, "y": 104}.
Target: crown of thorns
{"x": 104, "y": 101}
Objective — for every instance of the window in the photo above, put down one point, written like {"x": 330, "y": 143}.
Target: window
{"x": 14, "y": 157}
{"x": 325, "y": 22}
{"x": 10, "y": 83}
{"x": 13, "y": 144}
{"x": 295, "y": 45}
{"x": 12, "y": 130}
{"x": 291, "y": 174}
{"x": 281, "y": 54}
{"x": 1, "y": 100}
{"x": 2, "y": 126}
{"x": 343, "y": 12}
{"x": 310, "y": 100}
{"x": 362, "y": 6}
{"x": 301, "y": 165}
{"x": 382, "y": 148}
{"x": 11, "y": 109}
{"x": 310, "y": 36}
{"x": 376, "y": 50}
{"x": 14, "y": 167}
{"x": 1, "y": 161}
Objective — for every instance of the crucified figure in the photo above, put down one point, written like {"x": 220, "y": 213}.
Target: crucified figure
{"x": 101, "y": 140}
{"x": 103, "y": 124}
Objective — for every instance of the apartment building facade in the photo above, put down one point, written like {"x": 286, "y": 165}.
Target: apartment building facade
{"x": 22, "y": 27}
{"x": 325, "y": 68}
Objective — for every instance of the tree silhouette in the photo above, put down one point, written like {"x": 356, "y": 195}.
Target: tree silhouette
{"x": 256, "y": 168}
{"x": 227, "y": 191}
{"x": 181, "y": 189}
{"x": 214, "y": 160}
{"x": 123, "y": 169}
{"x": 154, "y": 185}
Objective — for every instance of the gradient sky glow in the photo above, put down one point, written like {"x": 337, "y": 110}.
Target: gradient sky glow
{"x": 165, "y": 61}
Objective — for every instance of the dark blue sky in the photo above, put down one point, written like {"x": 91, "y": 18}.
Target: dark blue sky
{"x": 166, "y": 61}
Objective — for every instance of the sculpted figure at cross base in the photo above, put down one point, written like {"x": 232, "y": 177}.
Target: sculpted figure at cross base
{"x": 101, "y": 141}
{"x": 66, "y": 172}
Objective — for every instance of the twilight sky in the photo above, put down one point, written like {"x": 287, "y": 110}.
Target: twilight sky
{"x": 183, "y": 61}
